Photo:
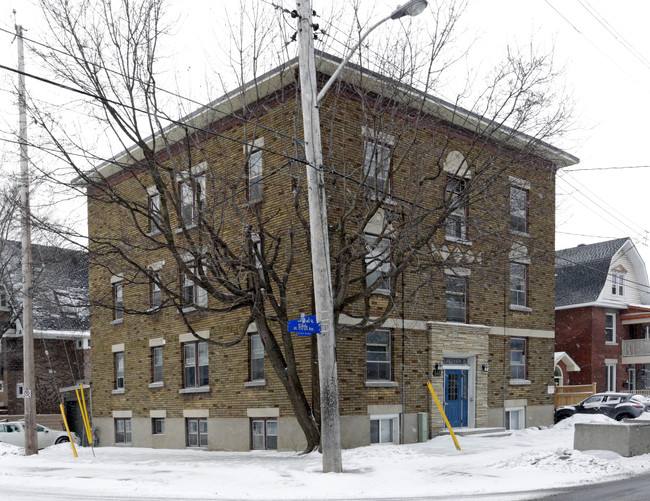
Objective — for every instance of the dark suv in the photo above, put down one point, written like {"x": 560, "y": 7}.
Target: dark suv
{"x": 614, "y": 405}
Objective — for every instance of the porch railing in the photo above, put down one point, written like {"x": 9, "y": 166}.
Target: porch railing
{"x": 636, "y": 347}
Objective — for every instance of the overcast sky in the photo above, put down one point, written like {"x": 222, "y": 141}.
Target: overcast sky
{"x": 602, "y": 46}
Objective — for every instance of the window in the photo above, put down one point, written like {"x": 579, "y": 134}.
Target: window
{"x": 255, "y": 172}
{"x": 457, "y": 219}
{"x": 456, "y": 299}
{"x": 193, "y": 295}
{"x": 378, "y": 263}
{"x": 2, "y": 386}
{"x": 122, "y": 430}
{"x": 610, "y": 376}
{"x": 197, "y": 432}
{"x": 378, "y": 356}
{"x": 376, "y": 167}
{"x": 4, "y": 303}
{"x": 631, "y": 379}
{"x": 157, "y": 364}
{"x": 383, "y": 429}
{"x": 119, "y": 370}
{"x": 191, "y": 191}
{"x": 20, "y": 390}
{"x": 518, "y": 209}
{"x": 256, "y": 357}
{"x": 264, "y": 434}
{"x": 618, "y": 288}
{"x": 154, "y": 211}
{"x": 610, "y": 327}
{"x": 118, "y": 301}
{"x": 558, "y": 376}
{"x": 515, "y": 418}
{"x": 518, "y": 284}
{"x": 195, "y": 364}
{"x": 517, "y": 358}
{"x": 157, "y": 426}
{"x": 154, "y": 290}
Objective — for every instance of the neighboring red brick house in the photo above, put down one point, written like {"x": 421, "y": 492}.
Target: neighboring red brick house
{"x": 61, "y": 326}
{"x": 481, "y": 328}
{"x": 603, "y": 314}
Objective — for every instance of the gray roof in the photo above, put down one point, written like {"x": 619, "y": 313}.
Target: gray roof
{"x": 60, "y": 278}
{"x": 581, "y": 272}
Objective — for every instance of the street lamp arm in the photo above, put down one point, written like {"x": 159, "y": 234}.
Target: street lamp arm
{"x": 335, "y": 75}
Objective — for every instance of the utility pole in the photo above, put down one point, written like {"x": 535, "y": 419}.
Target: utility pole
{"x": 320, "y": 252}
{"x": 29, "y": 398}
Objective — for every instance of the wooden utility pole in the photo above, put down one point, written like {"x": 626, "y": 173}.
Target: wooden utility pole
{"x": 29, "y": 398}
{"x": 320, "y": 251}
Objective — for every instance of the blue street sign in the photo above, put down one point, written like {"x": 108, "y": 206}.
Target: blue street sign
{"x": 304, "y": 326}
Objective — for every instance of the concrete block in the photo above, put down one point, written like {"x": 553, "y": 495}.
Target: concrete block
{"x": 627, "y": 439}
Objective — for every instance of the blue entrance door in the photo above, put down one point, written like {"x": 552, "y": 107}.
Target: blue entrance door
{"x": 456, "y": 396}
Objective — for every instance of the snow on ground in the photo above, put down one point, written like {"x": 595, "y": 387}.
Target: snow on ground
{"x": 527, "y": 460}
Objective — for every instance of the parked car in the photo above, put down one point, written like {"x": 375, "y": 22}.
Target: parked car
{"x": 614, "y": 405}
{"x": 644, "y": 400}
{"x": 13, "y": 432}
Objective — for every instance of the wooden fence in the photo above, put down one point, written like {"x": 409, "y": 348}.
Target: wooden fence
{"x": 570, "y": 395}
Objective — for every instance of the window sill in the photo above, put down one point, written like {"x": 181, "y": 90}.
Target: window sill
{"x": 157, "y": 384}
{"x": 188, "y": 227}
{"x": 520, "y": 233}
{"x": 520, "y": 382}
{"x": 127, "y": 444}
{"x": 523, "y": 309}
{"x": 256, "y": 382}
{"x": 198, "y": 389}
{"x": 119, "y": 321}
{"x": 388, "y": 199}
{"x": 154, "y": 233}
{"x": 381, "y": 292}
{"x": 381, "y": 384}
{"x": 611, "y": 343}
{"x": 154, "y": 309}
{"x": 457, "y": 240}
{"x": 120, "y": 391}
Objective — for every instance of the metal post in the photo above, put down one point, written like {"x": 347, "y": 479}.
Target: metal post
{"x": 29, "y": 397}
{"x": 320, "y": 255}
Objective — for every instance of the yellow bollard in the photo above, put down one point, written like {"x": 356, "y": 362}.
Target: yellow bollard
{"x": 84, "y": 413}
{"x": 65, "y": 421}
{"x": 453, "y": 436}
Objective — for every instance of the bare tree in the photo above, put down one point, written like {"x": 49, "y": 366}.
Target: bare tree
{"x": 192, "y": 196}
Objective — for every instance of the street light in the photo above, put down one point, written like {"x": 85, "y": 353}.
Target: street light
{"x": 411, "y": 8}
{"x": 320, "y": 252}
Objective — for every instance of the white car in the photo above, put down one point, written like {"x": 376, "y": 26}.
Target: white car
{"x": 13, "y": 432}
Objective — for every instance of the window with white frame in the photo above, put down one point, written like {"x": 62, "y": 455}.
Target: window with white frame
{"x": 384, "y": 429}
{"x": 193, "y": 295}
{"x": 20, "y": 390}
{"x": 518, "y": 284}
{"x": 157, "y": 364}
{"x": 256, "y": 358}
{"x": 518, "y": 209}
{"x": 558, "y": 376}
{"x": 255, "y": 173}
{"x": 264, "y": 434}
{"x": 456, "y": 227}
{"x": 196, "y": 369}
{"x": 196, "y": 432}
{"x": 118, "y": 301}
{"x": 153, "y": 203}
{"x": 378, "y": 355}
{"x": 515, "y": 418}
{"x": 618, "y": 288}
{"x": 122, "y": 430}
{"x": 376, "y": 166}
{"x": 191, "y": 191}
{"x": 456, "y": 297}
{"x": 378, "y": 263}
{"x": 610, "y": 327}
{"x": 610, "y": 376}
{"x": 118, "y": 360}
{"x": 517, "y": 358}
{"x": 155, "y": 292}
